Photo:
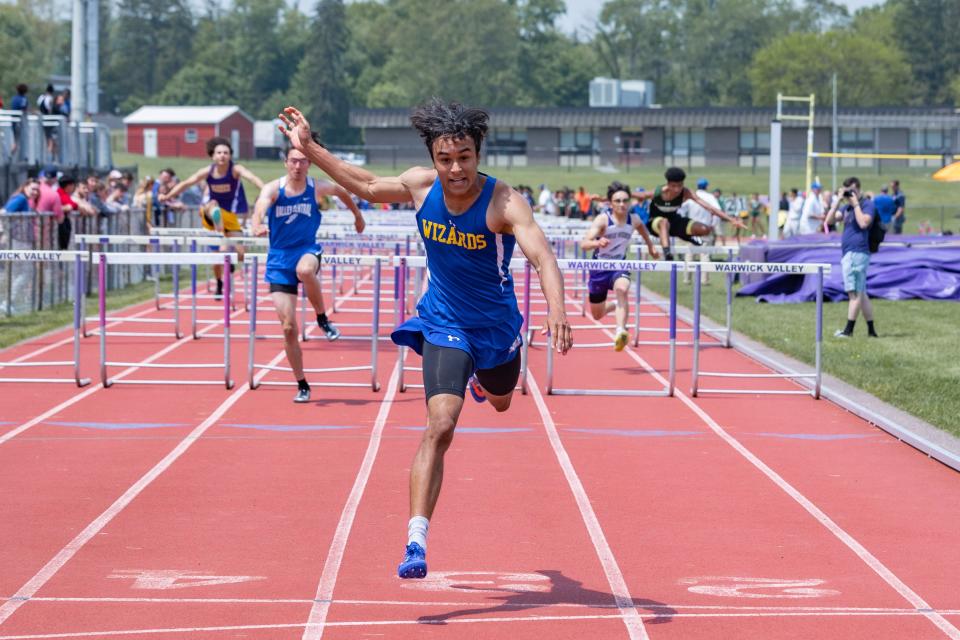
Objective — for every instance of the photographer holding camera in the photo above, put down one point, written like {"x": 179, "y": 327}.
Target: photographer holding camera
{"x": 856, "y": 213}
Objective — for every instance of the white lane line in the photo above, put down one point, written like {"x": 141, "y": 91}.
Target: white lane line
{"x": 97, "y": 387}
{"x": 618, "y": 586}
{"x": 490, "y": 605}
{"x": 65, "y": 341}
{"x": 331, "y": 568}
{"x": 467, "y": 621}
{"x": 868, "y": 558}
{"x": 50, "y": 569}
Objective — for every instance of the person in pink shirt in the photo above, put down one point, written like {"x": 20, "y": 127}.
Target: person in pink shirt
{"x": 49, "y": 202}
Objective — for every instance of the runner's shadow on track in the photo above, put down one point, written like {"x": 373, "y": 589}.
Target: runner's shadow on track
{"x": 563, "y": 590}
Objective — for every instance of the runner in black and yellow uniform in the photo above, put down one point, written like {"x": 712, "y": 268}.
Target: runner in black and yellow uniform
{"x": 665, "y": 218}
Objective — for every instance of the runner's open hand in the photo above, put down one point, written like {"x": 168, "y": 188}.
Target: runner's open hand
{"x": 359, "y": 224}
{"x": 561, "y": 335}
{"x": 295, "y": 127}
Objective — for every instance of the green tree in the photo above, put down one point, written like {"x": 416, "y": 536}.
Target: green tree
{"x": 368, "y": 50}
{"x": 462, "y": 50}
{"x": 927, "y": 33}
{"x": 200, "y": 83}
{"x": 553, "y": 68}
{"x": 868, "y": 73}
{"x": 24, "y": 60}
{"x": 151, "y": 40}
{"x": 638, "y": 39}
{"x": 319, "y": 85}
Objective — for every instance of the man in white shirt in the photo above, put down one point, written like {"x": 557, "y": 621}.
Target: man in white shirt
{"x": 812, "y": 214}
{"x": 545, "y": 203}
{"x": 794, "y": 214}
{"x": 691, "y": 209}
{"x": 698, "y": 213}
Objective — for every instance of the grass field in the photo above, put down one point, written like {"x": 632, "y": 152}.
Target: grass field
{"x": 912, "y": 366}
{"x": 927, "y": 200}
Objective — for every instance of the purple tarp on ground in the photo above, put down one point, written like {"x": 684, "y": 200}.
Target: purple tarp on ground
{"x": 924, "y": 267}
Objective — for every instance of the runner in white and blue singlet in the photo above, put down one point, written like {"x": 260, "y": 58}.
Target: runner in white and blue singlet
{"x": 290, "y": 207}
{"x": 609, "y": 237}
{"x": 468, "y": 324}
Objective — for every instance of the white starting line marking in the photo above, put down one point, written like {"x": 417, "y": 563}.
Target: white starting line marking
{"x": 385, "y": 623}
{"x": 736, "y": 587}
{"x": 480, "y": 581}
{"x": 176, "y": 578}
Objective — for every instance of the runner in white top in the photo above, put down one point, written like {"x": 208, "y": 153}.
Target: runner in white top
{"x": 609, "y": 237}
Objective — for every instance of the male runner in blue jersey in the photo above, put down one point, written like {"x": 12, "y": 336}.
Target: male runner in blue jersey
{"x": 293, "y": 217}
{"x": 225, "y": 201}
{"x": 469, "y": 223}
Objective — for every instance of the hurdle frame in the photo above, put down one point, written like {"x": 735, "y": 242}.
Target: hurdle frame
{"x": 817, "y": 269}
{"x": 374, "y": 384}
{"x": 177, "y": 259}
{"x": 403, "y": 264}
{"x": 79, "y": 259}
{"x": 637, "y": 267}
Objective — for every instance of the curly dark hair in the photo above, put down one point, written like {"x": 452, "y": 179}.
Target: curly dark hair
{"x": 213, "y": 143}
{"x": 675, "y": 174}
{"x": 615, "y": 186}
{"x": 437, "y": 119}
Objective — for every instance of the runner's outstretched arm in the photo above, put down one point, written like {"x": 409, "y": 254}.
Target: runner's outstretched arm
{"x": 355, "y": 179}
{"x": 517, "y": 215}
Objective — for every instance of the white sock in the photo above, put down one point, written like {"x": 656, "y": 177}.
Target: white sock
{"x": 417, "y": 531}
{"x": 621, "y": 329}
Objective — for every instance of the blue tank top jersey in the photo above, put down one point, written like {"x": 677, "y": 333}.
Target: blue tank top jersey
{"x": 227, "y": 191}
{"x": 470, "y": 283}
{"x": 294, "y": 220}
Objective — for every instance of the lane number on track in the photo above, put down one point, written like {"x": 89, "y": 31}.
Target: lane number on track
{"x": 739, "y": 587}
{"x": 175, "y": 578}
{"x": 480, "y": 581}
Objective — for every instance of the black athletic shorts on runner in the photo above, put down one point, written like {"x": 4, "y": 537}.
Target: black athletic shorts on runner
{"x": 680, "y": 226}
{"x": 279, "y": 287}
{"x": 447, "y": 369}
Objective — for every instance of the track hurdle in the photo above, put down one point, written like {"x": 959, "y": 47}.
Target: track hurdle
{"x": 79, "y": 259}
{"x": 635, "y": 266}
{"x": 86, "y": 240}
{"x": 176, "y": 259}
{"x": 759, "y": 267}
{"x": 403, "y": 264}
{"x": 344, "y": 260}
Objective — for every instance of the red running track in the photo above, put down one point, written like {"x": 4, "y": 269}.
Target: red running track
{"x": 197, "y": 512}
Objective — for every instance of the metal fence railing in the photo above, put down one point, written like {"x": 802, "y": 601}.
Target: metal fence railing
{"x": 31, "y": 286}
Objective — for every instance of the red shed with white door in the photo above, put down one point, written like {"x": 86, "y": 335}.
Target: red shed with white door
{"x": 154, "y": 131}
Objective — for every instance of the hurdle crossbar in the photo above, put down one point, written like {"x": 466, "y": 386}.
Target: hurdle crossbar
{"x": 372, "y": 261}
{"x": 79, "y": 260}
{"x": 817, "y": 270}
{"x": 177, "y": 259}
{"x": 638, "y": 267}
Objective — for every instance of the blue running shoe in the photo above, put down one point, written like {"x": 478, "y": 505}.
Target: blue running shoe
{"x": 414, "y": 563}
{"x": 476, "y": 390}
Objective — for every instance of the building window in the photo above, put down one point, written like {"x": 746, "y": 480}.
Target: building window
{"x": 929, "y": 141}
{"x": 685, "y": 147}
{"x": 754, "y": 147}
{"x": 506, "y": 147}
{"x": 856, "y": 141}
{"x": 579, "y": 147}
{"x": 190, "y": 136}
{"x": 507, "y": 142}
